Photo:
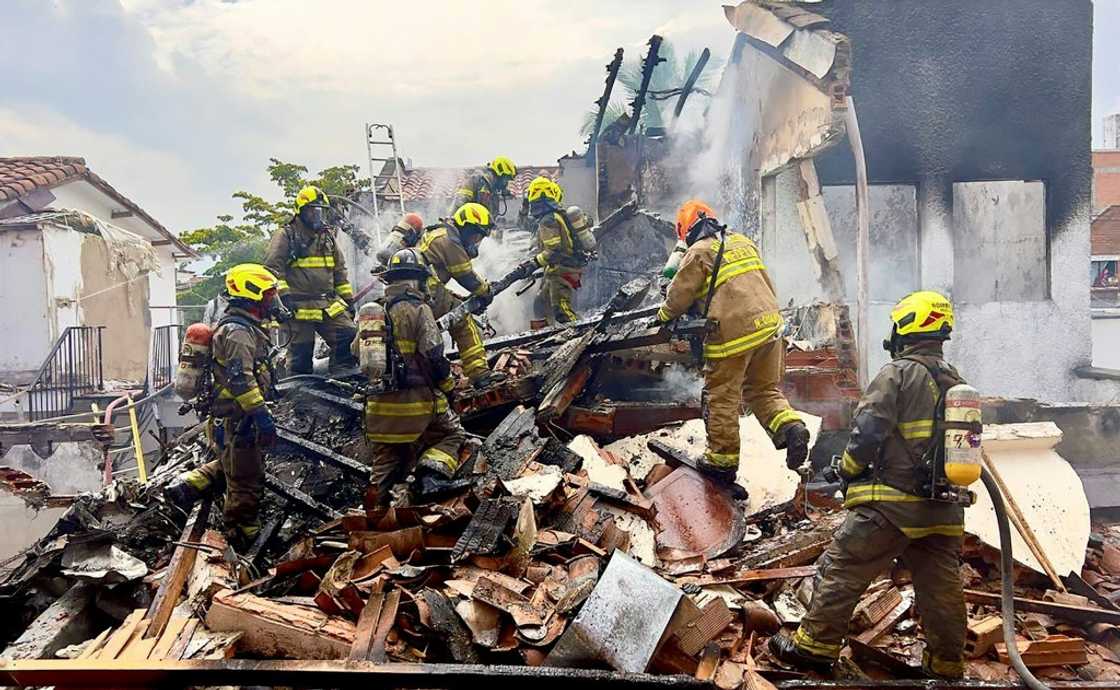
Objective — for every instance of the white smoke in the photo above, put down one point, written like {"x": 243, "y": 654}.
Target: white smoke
{"x": 510, "y": 313}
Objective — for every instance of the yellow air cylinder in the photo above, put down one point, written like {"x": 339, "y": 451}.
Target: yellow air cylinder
{"x": 962, "y": 445}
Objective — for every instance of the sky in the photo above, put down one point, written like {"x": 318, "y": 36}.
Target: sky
{"x": 179, "y": 103}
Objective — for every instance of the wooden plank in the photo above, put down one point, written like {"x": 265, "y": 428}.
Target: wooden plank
{"x": 182, "y": 561}
{"x": 386, "y": 619}
{"x": 367, "y": 623}
{"x": 95, "y": 645}
{"x": 275, "y": 630}
{"x": 168, "y": 637}
{"x": 138, "y": 648}
{"x": 183, "y": 641}
{"x": 1076, "y": 614}
{"x": 757, "y": 575}
{"x": 117, "y": 642}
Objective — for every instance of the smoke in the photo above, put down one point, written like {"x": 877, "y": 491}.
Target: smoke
{"x": 723, "y": 171}
{"x": 510, "y": 312}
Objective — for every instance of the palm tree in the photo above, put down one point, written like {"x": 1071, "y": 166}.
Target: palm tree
{"x": 667, "y": 76}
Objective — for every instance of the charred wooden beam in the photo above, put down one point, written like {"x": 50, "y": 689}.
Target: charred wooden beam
{"x": 527, "y": 337}
{"x": 182, "y": 561}
{"x": 338, "y": 674}
{"x": 617, "y": 419}
{"x": 1075, "y": 614}
{"x": 347, "y": 465}
{"x": 299, "y": 499}
{"x": 601, "y": 105}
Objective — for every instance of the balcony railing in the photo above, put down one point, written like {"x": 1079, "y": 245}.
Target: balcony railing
{"x": 72, "y": 368}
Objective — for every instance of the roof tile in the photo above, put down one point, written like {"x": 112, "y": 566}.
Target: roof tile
{"x": 440, "y": 183}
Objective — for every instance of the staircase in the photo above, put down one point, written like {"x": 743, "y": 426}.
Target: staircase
{"x": 73, "y": 368}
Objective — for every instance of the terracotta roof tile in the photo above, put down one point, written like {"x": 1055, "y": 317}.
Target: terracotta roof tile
{"x": 26, "y": 174}
{"x": 423, "y": 184}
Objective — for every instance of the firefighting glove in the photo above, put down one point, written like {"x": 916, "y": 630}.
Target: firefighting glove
{"x": 266, "y": 428}
{"x": 525, "y": 269}
{"x": 797, "y": 445}
{"x": 656, "y": 322}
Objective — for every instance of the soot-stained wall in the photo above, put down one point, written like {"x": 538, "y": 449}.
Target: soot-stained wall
{"x": 971, "y": 91}
{"x": 962, "y": 91}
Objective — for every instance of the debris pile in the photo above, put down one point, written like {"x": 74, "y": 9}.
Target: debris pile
{"x": 602, "y": 551}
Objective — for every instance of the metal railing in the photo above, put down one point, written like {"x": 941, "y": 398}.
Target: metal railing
{"x": 73, "y": 367}
{"x": 162, "y": 357}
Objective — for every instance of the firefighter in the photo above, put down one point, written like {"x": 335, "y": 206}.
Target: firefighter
{"x": 447, "y": 249}
{"x": 487, "y": 187}
{"x": 416, "y": 416}
{"x": 889, "y": 516}
{"x": 744, "y": 357}
{"x": 405, "y": 233}
{"x": 313, "y": 284}
{"x": 240, "y": 423}
{"x": 565, "y": 244}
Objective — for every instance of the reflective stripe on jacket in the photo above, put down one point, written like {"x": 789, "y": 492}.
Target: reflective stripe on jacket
{"x": 744, "y": 304}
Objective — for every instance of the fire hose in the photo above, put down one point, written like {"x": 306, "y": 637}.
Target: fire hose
{"x": 1007, "y": 593}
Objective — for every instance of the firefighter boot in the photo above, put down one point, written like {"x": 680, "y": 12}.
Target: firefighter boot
{"x": 722, "y": 474}
{"x": 784, "y": 649}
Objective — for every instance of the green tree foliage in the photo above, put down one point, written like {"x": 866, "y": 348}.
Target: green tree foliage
{"x": 667, "y": 76}
{"x": 229, "y": 243}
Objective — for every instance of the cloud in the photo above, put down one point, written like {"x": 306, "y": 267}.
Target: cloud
{"x": 216, "y": 88}
{"x": 144, "y": 175}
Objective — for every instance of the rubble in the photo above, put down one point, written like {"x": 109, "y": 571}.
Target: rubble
{"x": 596, "y": 551}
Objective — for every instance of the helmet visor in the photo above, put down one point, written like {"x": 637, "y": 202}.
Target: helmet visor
{"x": 314, "y": 216}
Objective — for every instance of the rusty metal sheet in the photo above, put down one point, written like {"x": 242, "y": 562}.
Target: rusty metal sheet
{"x": 622, "y": 621}
{"x": 693, "y": 518}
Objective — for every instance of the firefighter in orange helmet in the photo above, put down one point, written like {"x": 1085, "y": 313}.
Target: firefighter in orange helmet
{"x": 722, "y": 277}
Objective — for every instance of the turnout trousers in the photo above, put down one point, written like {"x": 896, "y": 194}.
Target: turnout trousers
{"x": 864, "y": 547}
{"x": 752, "y": 377}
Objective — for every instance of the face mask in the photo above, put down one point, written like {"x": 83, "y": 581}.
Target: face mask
{"x": 314, "y": 217}
{"x": 273, "y": 307}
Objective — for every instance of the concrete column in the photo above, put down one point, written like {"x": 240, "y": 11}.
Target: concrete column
{"x": 935, "y": 234}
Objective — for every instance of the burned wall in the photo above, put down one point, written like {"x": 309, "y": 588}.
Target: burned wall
{"x": 955, "y": 94}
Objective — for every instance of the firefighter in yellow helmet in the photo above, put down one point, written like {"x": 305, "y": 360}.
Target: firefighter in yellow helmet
{"x": 448, "y": 248}
{"x": 890, "y": 515}
{"x": 487, "y": 186}
{"x": 565, "y": 244}
{"x": 414, "y": 417}
{"x": 722, "y": 277}
{"x": 240, "y": 423}
{"x": 314, "y": 284}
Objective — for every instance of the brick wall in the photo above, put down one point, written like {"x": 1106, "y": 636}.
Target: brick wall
{"x": 1106, "y": 231}
{"x": 1106, "y": 178}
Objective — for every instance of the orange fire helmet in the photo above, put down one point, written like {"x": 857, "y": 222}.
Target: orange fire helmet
{"x": 691, "y": 212}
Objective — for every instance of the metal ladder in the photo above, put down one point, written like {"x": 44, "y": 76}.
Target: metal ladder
{"x": 382, "y": 151}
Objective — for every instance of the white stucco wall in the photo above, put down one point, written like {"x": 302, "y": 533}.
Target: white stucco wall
{"x": 25, "y": 331}
{"x": 1024, "y": 347}
{"x": 83, "y": 196}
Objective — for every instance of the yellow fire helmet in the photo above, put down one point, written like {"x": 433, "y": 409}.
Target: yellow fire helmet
{"x": 311, "y": 195}
{"x": 923, "y": 313}
{"x": 250, "y": 281}
{"x": 472, "y": 214}
{"x": 544, "y": 187}
{"x": 502, "y": 166}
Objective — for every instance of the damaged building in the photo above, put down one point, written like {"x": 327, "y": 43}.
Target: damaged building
{"x": 858, "y": 143}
